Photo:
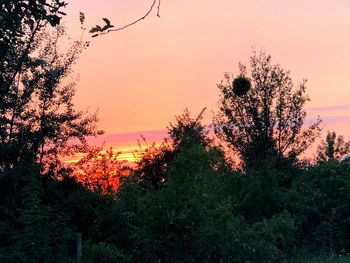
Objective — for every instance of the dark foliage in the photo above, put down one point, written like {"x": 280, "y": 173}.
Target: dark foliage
{"x": 241, "y": 86}
{"x": 183, "y": 202}
{"x": 333, "y": 148}
{"x": 205, "y": 212}
{"x": 262, "y": 114}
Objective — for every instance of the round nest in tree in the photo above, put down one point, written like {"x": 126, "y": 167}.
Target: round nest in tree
{"x": 241, "y": 85}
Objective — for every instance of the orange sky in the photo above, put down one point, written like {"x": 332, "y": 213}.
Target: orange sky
{"x": 140, "y": 78}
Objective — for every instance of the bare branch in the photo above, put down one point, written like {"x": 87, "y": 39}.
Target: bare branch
{"x": 141, "y": 18}
{"x": 158, "y": 11}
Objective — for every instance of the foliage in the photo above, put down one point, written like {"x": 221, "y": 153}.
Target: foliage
{"x": 20, "y": 22}
{"x": 191, "y": 218}
{"x": 39, "y": 232}
{"x": 99, "y": 30}
{"x": 174, "y": 215}
{"x": 205, "y": 212}
{"x": 103, "y": 253}
{"x": 324, "y": 209}
{"x": 96, "y": 30}
{"x": 186, "y": 131}
{"x": 268, "y": 119}
{"x": 183, "y": 202}
{"x": 150, "y": 169}
{"x": 37, "y": 115}
{"x": 333, "y": 148}
{"x": 100, "y": 170}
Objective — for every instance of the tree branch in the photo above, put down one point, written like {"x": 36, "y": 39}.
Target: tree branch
{"x": 158, "y": 9}
{"x": 141, "y": 18}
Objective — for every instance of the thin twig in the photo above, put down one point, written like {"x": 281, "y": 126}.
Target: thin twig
{"x": 141, "y": 18}
{"x": 158, "y": 9}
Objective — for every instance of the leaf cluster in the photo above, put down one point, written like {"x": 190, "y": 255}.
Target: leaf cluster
{"x": 97, "y": 30}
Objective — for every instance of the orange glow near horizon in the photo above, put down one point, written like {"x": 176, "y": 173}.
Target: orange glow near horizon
{"x": 130, "y": 154}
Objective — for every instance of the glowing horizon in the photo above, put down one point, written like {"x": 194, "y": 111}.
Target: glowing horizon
{"x": 130, "y": 144}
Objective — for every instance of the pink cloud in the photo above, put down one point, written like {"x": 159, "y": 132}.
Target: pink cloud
{"x": 330, "y": 108}
{"x": 127, "y": 139}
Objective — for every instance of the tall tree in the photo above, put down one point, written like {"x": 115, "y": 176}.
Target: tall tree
{"x": 36, "y": 110}
{"x": 37, "y": 115}
{"x": 262, "y": 114}
{"x": 21, "y": 21}
{"x": 185, "y": 132}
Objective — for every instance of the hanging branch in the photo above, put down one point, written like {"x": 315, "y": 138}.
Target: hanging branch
{"x": 98, "y": 30}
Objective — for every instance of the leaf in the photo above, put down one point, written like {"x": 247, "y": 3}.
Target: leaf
{"x": 55, "y": 73}
{"x": 81, "y": 17}
{"x": 54, "y": 20}
{"x": 40, "y": 62}
{"x": 108, "y": 23}
{"x": 95, "y": 29}
{"x": 106, "y": 27}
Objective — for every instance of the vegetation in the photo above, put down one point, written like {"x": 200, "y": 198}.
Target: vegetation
{"x": 263, "y": 114}
{"x": 333, "y": 148}
{"x": 183, "y": 201}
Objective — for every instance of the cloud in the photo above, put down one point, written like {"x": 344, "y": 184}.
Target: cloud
{"x": 330, "y": 108}
{"x": 336, "y": 119}
{"x": 130, "y": 138}
{"x": 332, "y": 115}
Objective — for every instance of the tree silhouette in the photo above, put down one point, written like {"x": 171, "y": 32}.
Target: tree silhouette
{"x": 333, "y": 148}
{"x": 185, "y": 132}
{"x": 21, "y": 21}
{"x": 38, "y": 116}
{"x": 101, "y": 171}
{"x": 262, "y": 114}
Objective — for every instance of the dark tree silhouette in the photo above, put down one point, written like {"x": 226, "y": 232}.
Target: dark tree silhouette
{"x": 21, "y": 21}
{"x": 263, "y": 113}
{"x": 37, "y": 115}
{"x": 333, "y": 148}
{"x": 183, "y": 133}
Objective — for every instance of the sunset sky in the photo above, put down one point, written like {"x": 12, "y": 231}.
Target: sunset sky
{"x": 141, "y": 77}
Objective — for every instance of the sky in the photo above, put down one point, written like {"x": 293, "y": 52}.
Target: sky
{"x": 141, "y": 77}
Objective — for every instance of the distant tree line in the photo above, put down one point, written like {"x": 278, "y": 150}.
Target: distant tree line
{"x": 183, "y": 201}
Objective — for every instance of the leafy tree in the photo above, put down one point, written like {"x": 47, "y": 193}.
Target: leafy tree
{"x": 37, "y": 115}
{"x": 323, "y": 208}
{"x": 263, "y": 114}
{"x": 187, "y": 131}
{"x": 34, "y": 229}
{"x": 37, "y": 123}
{"x": 172, "y": 220}
{"x": 154, "y": 162}
{"x": 199, "y": 214}
{"x": 333, "y": 148}
{"x": 101, "y": 171}
{"x": 21, "y": 21}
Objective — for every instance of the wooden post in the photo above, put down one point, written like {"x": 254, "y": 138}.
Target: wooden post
{"x": 79, "y": 247}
